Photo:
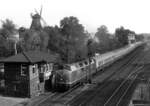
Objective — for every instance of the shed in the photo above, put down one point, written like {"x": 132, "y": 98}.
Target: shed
{"x": 25, "y": 73}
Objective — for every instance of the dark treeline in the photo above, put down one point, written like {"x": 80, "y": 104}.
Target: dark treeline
{"x": 104, "y": 41}
{"x": 69, "y": 40}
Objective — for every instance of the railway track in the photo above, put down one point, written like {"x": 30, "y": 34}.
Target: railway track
{"x": 54, "y": 97}
{"x": 117, "y": 97}
{"x": 67, "y": 92}
{"x": 84, "y": 98}
{"x": 89, "y": 96}
{"x": 40, "y": 100}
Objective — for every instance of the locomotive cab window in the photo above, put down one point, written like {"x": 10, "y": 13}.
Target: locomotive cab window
{"x": 86, "y": 63}
{"x": 90, "y": 60}
{"x": 82, "y": 69}
{"x": 80, "y": 64}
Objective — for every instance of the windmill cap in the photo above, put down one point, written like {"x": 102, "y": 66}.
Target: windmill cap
{"x": 36, "y": 16}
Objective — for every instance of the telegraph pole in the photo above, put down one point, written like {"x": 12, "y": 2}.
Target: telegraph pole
{"x": 89, "y": 57}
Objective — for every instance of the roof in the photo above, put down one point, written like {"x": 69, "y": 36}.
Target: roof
{"x": 31, "y": 57}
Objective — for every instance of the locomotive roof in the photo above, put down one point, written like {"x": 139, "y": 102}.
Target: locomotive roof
{"x": 32, "y": 57}
{"x": 78, "y": 65}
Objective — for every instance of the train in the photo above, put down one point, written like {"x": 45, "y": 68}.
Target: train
{"x": 72, "y": 74}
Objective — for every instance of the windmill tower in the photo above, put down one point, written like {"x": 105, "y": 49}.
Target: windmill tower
{"x": 38, "y": 38}
{"x": 36, "y": 20}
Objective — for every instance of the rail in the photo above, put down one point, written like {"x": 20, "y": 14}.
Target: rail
{"x": 123, "y": 83}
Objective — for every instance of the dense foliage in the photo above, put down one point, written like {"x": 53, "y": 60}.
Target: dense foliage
{"x": 75, "y": 38}
{"x": 7, "y": 33}
{"x": 69, "y": 40}
{"x": 105, "y": 40}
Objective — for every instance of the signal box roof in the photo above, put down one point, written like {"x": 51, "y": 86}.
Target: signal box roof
{"x": 32, "y": 57}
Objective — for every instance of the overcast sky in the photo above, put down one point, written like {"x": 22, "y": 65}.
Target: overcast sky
{"x": 132, "y": 14}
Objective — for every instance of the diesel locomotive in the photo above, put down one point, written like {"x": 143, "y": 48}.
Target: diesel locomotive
{"x": 71, "y": 74}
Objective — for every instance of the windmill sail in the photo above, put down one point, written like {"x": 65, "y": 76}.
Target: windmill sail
{"x": 41, "y": 10}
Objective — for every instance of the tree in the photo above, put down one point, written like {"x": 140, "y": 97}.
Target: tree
{"x": 103, "y": 37}
{"x": 4, "y": 50}
{"x": 8, "y": 28}
{"x": 102, "y": 30}
{"x": 75, "y": 39}
{"x": 34, "y": 40}
{"x": 113, "y": 43}
{"x": 56, "y": 41}
{"x": 8, "y": 36}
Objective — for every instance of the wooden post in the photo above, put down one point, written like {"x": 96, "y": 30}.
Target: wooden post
{"x": 15, "y": 47}
{"x": 89, "y": 57}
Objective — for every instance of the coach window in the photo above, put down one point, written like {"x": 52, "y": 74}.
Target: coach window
{"x": 67, "y": 67}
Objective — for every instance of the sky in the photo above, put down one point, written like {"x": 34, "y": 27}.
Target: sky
{"x": 132, "y": 14}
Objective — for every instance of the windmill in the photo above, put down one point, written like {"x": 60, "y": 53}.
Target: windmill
{"x": 38, "y": 37}
{"x": 40, "y": 14}
{"x": 36, "y": 20}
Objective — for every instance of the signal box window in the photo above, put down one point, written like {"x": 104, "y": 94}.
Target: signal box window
{"x": 24, "y": 69}
{"x": 33, "y": 70}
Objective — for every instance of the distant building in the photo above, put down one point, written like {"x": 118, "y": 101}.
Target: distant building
{"x": 26, "y": 73}
{"x": 131, "y": 38}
